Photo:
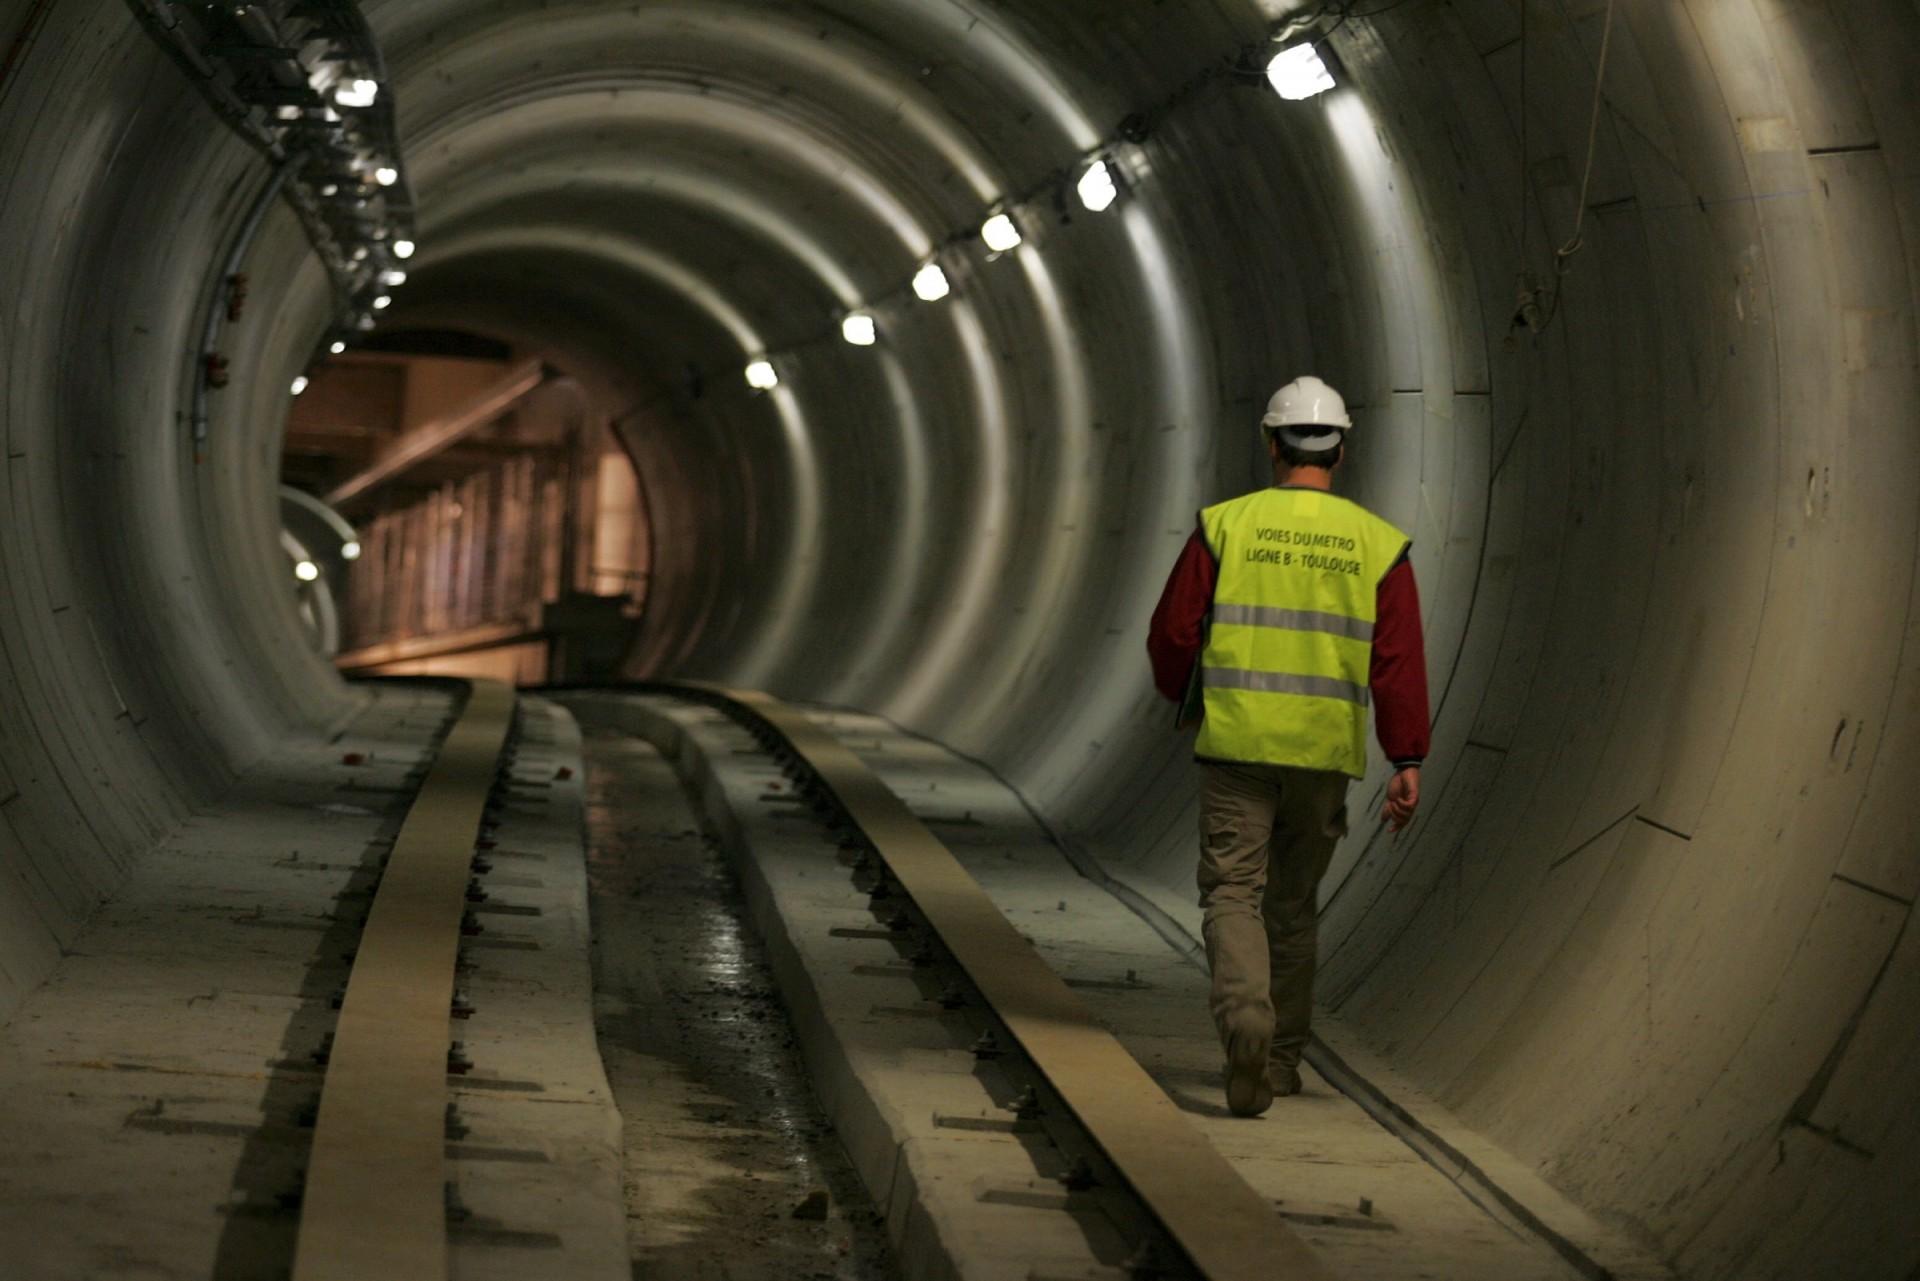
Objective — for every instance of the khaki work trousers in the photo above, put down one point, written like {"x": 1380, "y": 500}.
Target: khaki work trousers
{"x": 1267, "y": 833}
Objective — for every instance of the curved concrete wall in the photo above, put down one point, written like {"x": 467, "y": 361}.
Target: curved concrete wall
{"x": 1652, "y": 931}
{"x": 145, "y": 617}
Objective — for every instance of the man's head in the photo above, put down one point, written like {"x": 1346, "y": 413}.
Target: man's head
{"x": 1306, "y": 425}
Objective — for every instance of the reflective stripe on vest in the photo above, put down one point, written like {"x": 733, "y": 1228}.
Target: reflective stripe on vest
{"x": 1290, "y": 638}
{"x": 1284, "y": 683}
{"x": 1299, "y": 620}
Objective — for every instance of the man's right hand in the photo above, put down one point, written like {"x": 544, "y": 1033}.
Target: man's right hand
{"x": 1403, "y": 798}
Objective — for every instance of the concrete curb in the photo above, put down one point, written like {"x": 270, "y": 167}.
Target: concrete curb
{"x": 540, "y": 1183}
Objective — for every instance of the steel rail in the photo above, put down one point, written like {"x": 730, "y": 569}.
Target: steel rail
{"x": 374, "y": 1204}
{"x": 1226, "y": 1230}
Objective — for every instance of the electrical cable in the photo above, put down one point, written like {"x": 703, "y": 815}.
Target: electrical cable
{"x": 1526, "y": 304}
{"x": 29, "y": 28}
{"x": 1525, "y": 186}
{"x": 1133, "y": 129}
{"x": 1573, "y": 244}
{"x": 1528, "y": 310}
{"x": 1371, "y": 13}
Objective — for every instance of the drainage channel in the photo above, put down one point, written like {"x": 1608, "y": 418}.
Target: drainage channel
{"x": 732, "y": 1168}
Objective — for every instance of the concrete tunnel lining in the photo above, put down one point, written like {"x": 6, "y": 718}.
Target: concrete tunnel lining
{"x": 1652, "y": 933}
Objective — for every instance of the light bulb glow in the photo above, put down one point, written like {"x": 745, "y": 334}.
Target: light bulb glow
{"x": 930, "y": 285}
{"x": 761, "y": 375}
{"x": 403, "y": 249}
{"x": 357, "y": 93}
{"x": 394, "y": 277}
{"x": 350, "y": 550}
{"x": 1000, "y": 233}
{"x": 306, "y": 571}
{"x": 859, "y": 329}
{"x": 1298, "y": 73}
{"x": 386, "y": 175}
{"x": 1097, "y": 187}
{"x": 336, "y": 347}
{"x": 299, "y": 384}
{"x": 382, "y": 303}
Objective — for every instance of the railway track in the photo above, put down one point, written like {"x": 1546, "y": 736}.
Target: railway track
{"x": 375, "y": 1204}
{"x": 1193, "y": 1214}
{"x": 1107, "y": 1141}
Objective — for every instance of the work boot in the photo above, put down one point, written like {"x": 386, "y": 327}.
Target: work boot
{"x": 1284, "y": 1078}
{"x": 1249, "y": 1093}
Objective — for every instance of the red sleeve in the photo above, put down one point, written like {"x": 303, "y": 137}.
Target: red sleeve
{"x": 1178, "y": 628}
{"x": 1399, "y": 675}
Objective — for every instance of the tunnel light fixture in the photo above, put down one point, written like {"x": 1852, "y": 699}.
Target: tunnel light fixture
{"x": 299, "y": 384}
{"x": 357, "y": 93}
{"x": 761, "y": 375}
{"x": 393, "y": 276}
{"x": 930, "y": 284}
{"x": 1097, "y": 188}
{"x": 1000, "y": 233}
{"x": 1298, "y": 72}
{"x": 350, "y": 550}
{"x": 336, "y": 346}
{"x": 383, "y": 302}
{"x": 306, "y": 571}
{"x": 386, "y": 175}
{"x": 403, "y": 249}
{"x": 859, "y": 329}
{"x": 364, "y": 323}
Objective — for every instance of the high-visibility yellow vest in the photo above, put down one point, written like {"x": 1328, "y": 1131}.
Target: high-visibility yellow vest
{"x": 1290, "y": 638}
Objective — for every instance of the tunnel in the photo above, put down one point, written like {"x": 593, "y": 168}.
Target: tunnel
{"x": 1621, "y": 294}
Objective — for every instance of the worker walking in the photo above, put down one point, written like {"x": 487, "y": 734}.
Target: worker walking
{"x": 1289, "y": 611}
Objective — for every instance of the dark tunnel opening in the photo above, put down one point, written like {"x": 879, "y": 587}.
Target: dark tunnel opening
{"x": 498, "y": 527}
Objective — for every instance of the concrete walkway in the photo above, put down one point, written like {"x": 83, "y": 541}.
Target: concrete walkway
{"x": 1355, "y": 1191}
{"x": 154, "y": 1093}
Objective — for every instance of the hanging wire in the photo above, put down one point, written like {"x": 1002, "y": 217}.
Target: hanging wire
{"x": 29, "y": 29}
{"x": 1528, "y": 310}
{"x": 1573, "y": 243}
{"x": 1526, "y": 307}
{"x": 1055, "y": 185}
{"x": 1347, "y": 12}
{"x": 1525, "y": 185}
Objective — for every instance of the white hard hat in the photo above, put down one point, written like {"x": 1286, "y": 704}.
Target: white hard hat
{"x": 1308, "y": 414}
